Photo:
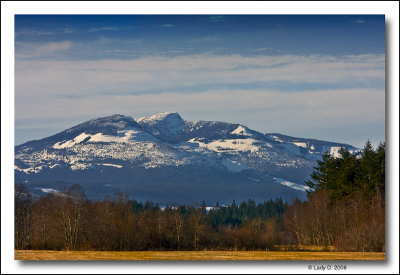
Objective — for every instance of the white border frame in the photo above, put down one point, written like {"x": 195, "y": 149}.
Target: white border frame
{"x": 9, "y": 9}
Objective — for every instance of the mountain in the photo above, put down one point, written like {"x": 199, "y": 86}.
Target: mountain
{"x": 169, "y": 160}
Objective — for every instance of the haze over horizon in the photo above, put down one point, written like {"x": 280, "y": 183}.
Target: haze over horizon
{"x": 314, "y": 76}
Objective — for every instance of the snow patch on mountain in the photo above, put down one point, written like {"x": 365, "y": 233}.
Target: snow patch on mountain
{"x": 277, "y": 139}
{"x": 112, "y": 165}
{"x": 30, "y": 170}
{"x": 224, "y": 145}
{"x": 70, "y": 143}
{"x": 234, "y": 165}
{"x": 100, "y": 137}
{"x": 80, "y": 166}
{"x": 290, "y": 184}
{"x": 242, "y": 131}
{"x": 300, "y": 144}
{"x": 335, "y": 152}
{"x": 49, "y": 190}
{"x": 122, "y": 137}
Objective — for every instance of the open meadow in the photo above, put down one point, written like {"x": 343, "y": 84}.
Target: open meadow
{"x": 195, "y": 255}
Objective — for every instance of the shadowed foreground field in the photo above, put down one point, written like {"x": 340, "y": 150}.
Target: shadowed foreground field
{"x": 195, "y": 255}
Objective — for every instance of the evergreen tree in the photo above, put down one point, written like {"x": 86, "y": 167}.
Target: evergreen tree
{"x": 323, "y": 174}
{"x": 366, "y": 175}
{"x": 344, "y": 175}
{"x": 380, "y": 169}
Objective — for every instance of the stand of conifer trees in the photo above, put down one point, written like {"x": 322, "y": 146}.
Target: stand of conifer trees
{"x": 346, "y": 204}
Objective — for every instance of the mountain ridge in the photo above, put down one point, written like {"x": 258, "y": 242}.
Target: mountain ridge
{"x": 166, "y": 158}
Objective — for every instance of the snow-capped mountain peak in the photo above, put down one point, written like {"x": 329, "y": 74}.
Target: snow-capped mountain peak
{"x": 167, "y": 125}
{"x": 164, "y": 156}
{"x": 170, "y": 116}
{"x": 109, "y": 124}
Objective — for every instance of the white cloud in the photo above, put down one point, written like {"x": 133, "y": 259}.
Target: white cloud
{"x": 149, "y": 73}
{"x": 260, "y": 49}
{"x": 108, "y": 40}
{"x": 43, "y": 32}
{"x": 55, "y": 46}
{"x": 33, "y": 32}
{"x": 158, "y": 74}
{"x": 105, "y": 28}
{"x": 266, "y": 109}
{"x": 42, "y": 49}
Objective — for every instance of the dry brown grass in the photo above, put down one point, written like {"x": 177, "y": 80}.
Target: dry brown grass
{"x": 195, "y": 255}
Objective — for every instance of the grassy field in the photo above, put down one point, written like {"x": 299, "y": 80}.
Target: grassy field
{"x": 195, "y": 255}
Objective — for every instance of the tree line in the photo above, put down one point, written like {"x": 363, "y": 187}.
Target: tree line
{"x": 69, "y": 221}
{"x": 344, "y": 210}
{"x": 346, "y": 203}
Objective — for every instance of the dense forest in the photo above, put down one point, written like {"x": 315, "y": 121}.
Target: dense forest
{"x": 345, "y": 211}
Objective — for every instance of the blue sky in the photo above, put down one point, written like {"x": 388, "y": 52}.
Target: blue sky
{"x": 317, "y": 76}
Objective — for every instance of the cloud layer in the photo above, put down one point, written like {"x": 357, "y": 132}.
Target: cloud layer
{"x": 227, "y": 87}
{"x": 158, "y": 74}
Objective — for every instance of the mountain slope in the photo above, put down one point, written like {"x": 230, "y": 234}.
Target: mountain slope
{"x": 167, "y": 159}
